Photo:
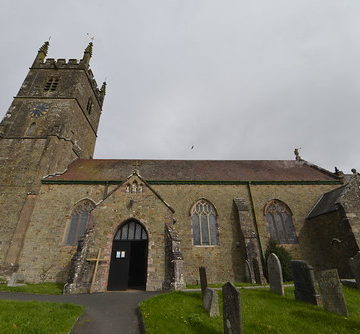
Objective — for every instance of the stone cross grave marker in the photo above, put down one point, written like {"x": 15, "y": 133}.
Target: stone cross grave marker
{"x": 275, "y": 274}
{"x": 203, "y": 279}
{"x": 231, "y": 310}
{"x": 355, "y": 267}
{"x": 331, "y": 291}
{"x": 304, "y": 281}
{"x": 211, "y": 302}
{"x": 16, "y": 279}
{"x": 96, "y": 260}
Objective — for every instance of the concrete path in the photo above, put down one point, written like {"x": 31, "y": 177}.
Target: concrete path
{"x": 112, "y": 312}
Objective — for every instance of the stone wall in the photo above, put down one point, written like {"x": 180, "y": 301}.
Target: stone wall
{"x": 225, "y": 261}
{"x": 333, "y": 243}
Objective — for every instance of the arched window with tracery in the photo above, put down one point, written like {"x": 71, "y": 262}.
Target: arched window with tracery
{"x": 79, "y": 221}
{"x": 204, "y": 226}
{"x": 280, "y": 222}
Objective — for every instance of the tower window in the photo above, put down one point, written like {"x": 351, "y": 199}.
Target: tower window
{"x": 203, "y": 217}
{"x": 89, "y": 105}
{"x": 31, "y": 129}
{"x": 51, "y": 84}
{"x": 280, "y": 222}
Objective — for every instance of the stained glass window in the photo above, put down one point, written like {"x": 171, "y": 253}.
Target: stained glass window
{"x": 280, "y": 222}
{"x": 203, "y": 216}
{"x": 79, "y": 221}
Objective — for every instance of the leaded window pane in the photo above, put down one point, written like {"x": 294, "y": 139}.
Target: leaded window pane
{"x": 280, "y": 223}
{"x": 124, "y": 232}
{"x": 78, "y": 223}
{"x": 204, "y": 230}
{"x": 196, "y": 230}
{"x": 72, "y": 230}
{"x": 213, "y": 230}
{"x": 204, "y": 224}
{"x": 131, "y": 231}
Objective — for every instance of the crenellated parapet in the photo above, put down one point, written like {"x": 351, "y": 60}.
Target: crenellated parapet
{"x": 41, "y": 62}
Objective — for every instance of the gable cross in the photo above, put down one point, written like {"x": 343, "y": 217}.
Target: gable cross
{"x": 96, "y": 260}
{"x": 136, "y": 166}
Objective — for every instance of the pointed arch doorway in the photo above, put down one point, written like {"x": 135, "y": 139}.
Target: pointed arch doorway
{"x": 128, "y": 265}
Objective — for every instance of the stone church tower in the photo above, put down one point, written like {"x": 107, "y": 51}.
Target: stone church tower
{"x": 52, "y": 121}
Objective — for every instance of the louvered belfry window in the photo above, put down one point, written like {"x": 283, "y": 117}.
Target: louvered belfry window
{"x": 52, "y": 84}
{"x": 204, "y": 226}
{"x": 280, "y": 223}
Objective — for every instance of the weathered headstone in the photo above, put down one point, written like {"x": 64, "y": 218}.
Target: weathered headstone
{"x": 248, "y": 273}
{"x": 203, "y": 279}
{"x": 211, "y": 302}
{"x": 304, "y": 281}
{"x": 275, "y": 274}
{"x": 256, "y": 269}
{"x": 16, "y": 279}
{"x": 231, "y": 310}
{"x": 355, "y": 267}
{"x": 331, "y": 291}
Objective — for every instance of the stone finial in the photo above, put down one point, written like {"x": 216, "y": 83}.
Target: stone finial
{"x": 102, "y": 92}
{"x": 89, "y": 49}
{"x": 297, "y": 154}
{"x": 42, "y": 53}
{"x": 87, "y": 54}
{"x": 44, "y": 48}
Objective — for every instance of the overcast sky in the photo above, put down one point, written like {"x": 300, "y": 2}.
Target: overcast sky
{"x": 236, "y": 79}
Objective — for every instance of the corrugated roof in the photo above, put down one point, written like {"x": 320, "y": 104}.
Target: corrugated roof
{"x": 327, "y": 203}
{"x": 194, "y": 170}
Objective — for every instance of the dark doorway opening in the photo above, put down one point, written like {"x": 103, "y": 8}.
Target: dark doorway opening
{"x": 128, "y": 266}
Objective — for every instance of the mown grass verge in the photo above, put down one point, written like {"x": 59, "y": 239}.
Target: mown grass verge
{"x": 263, "y": 312}
{"x": 43, "y": 288}
{"x": 17, "y": 317}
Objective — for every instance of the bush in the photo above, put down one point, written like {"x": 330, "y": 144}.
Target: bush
{"x": 284, "y": 258}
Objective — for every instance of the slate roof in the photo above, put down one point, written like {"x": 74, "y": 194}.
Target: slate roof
{"x": 327, "y": 203}
{"x": 194, "y": 170}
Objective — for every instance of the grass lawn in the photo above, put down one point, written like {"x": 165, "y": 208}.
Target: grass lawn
{"x": 219, "y": 285}
{"x": 43, "y": 288}
{"x": 17, "y": 317}
{"x": 263, "y": 312}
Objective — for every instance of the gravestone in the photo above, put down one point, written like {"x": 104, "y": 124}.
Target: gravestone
{"x": 203, "y": 279}
{"x": 16, "y": 279}
{"x": 248, "y": 273}
{"x": 331, "y": 291}
{"x": 231, "y": 310}
{"x": 275, "y": 274}
{"x": 256, "y": 269}
{"x": 355, "y": 267}
{"x": 304, "y": 282}
{"x": 211, "y": 302}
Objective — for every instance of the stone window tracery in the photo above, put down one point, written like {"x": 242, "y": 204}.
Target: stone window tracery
{"x": 280, "y": 223}
{"x": 79, "y": 221}
{"x": 204, "y": 225}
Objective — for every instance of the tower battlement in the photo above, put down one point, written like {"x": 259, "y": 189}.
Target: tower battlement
{"x": 41, "y": 62}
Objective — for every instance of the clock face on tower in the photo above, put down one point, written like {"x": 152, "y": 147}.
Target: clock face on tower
{"x": 39, "y": 110}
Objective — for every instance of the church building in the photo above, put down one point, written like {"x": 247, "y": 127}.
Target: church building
{"x": 116, "y": 224}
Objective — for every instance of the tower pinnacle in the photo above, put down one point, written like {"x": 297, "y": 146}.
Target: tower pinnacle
{"x": 87, "y": 54}
{"x": 42, "y": 53}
